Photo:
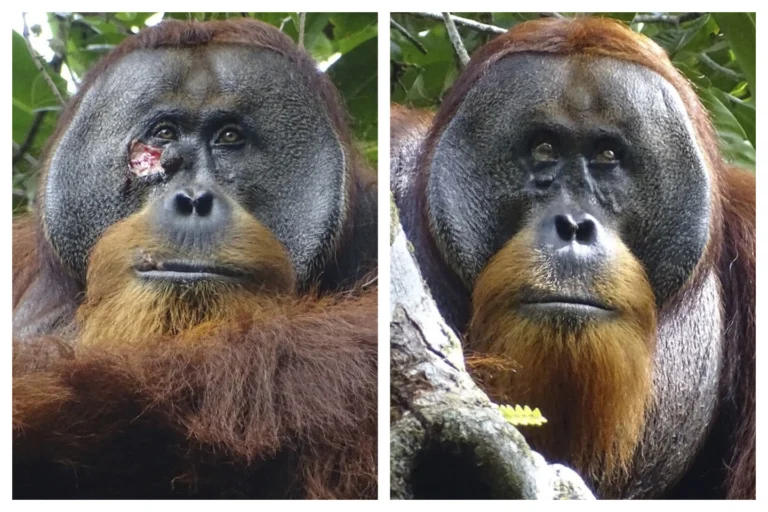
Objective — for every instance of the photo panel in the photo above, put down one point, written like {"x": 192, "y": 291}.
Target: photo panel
{"x": 573, "y": 255}
{"x": 195, "y": 256}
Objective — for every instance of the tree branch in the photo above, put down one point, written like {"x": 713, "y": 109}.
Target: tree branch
{"x": 447, "y": 438}
{"x": 22, "y": 149}
{"x": 667, "y": 18}
{"x": 37, "y": 122}
{"x": 29, "y": 158}
{"x": 283, "y": 22}
{"x": 711, "y": 64}
{"x": 458, "y": 45}
{"x": 415, "y": 42}
{"x": 302, "y": 23}
{"x": 38, "y": 64}
{"x": 464, "y": 22}
{"x": 552, "y": 15}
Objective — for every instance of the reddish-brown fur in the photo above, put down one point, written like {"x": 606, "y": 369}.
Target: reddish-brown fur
{"x": 264, "y": 395}
{"x": 25, "y": 265}
{"x": 120, "y": 309}
{"x": 730, "y": 249}
{"x": 249, "y": 379}
{"x": 593, "y": 391}
{"x": 278, "y": 404}
{"x": 737, "y": 270}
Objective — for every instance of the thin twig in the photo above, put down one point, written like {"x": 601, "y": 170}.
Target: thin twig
{"x": 707, "y": 61}
{"x": 29, "y": 140}
{"x": 22, "y": 149}
{"x": 29, "y": 158}
{"x": 552, "y": 15}
{"x": 38, "y": 64}
{"x": 37, "y": 122}
{"x": 464, "y": 22}
{"x": 302, "y": 21}
{"x": 75, "y": 79}
{"x": 453, "y": 35}
{"x": 667, "y": 18}
{"x": 415, "y": 42}
{"x": 64, "y": 24}
{"x": 283, "y": 22}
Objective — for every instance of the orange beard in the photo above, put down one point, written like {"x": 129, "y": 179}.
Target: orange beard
{"x": 591, "y": 380}
{"x": 122, "y": 309}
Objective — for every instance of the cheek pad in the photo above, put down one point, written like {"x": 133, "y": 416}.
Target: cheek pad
{"x": 85, "y": 192}
{"x": 301, "y": 171}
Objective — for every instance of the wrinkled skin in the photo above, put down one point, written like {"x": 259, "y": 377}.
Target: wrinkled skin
{"x": 287, "y": 167}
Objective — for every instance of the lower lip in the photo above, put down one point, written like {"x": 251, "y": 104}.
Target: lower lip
{"x": 184, "y": 277}
{"x": 566, "y": 308}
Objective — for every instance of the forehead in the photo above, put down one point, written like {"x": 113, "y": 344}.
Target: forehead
{"x": 576, "y": 89}
{"x": 199, "y": 75}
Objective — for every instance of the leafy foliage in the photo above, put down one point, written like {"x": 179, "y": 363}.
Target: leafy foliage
{"x": 715, "y": 51}
{"x": 345, "y": 43}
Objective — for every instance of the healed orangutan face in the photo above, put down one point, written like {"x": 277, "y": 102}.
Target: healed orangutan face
{"x": 569, "y": 195}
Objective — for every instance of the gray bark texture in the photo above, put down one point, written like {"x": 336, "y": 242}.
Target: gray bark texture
{"x": 447, "y": 438}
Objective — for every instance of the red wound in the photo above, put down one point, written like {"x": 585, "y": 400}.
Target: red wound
{"x": 145, "y": 160}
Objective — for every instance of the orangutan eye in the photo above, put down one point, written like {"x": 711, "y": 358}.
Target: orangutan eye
{"x": 229, "y": 136}
{"x": 606, "y": 156}
{"x": 165, "y": 132}
{"x": 544, "y": 152}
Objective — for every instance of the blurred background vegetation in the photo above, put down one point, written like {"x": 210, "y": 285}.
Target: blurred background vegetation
{"x": 68, "y": 44}
{"x": 716, "y": 51}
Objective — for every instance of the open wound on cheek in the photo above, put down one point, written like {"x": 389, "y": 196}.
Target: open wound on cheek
{"x": 145, "y": 160}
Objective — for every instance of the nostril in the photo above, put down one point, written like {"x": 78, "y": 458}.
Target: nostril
{"x": 587, "y": 231}
{"x": 183, "y": 204}
{"x": 204, "y": 204}
{"x": 566, "y": 227}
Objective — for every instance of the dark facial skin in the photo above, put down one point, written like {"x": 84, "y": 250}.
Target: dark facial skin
{"x": 232, "y": 121}
{"x": 544, "y": 135}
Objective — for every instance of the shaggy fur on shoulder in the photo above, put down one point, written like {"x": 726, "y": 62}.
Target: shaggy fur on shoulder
{"x": 275, "y": 406}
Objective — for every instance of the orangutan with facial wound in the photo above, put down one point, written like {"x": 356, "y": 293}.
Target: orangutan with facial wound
{"x": 573, "y": 217}
{"x": 195, "y": 293}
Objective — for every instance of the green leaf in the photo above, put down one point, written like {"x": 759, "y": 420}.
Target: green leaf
{"x": 733, "y": 142}
{"x": 347, "y": 25}
{"x": 695, "y": 36}
{"x": 522, "y": 416}
{"x": 315, "y": 40}
{"x": 273, "y": 18}
{"x": 352, "y": 30}
{"x": 31, "y": 93}
{"x": 743, "y": 111}
{"x": 355, "y": 76}
{"x": 699, "y": 78}
{"x": 739, "y": 29}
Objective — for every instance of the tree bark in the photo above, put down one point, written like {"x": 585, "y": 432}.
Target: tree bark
{"x": 448, "y": 440}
